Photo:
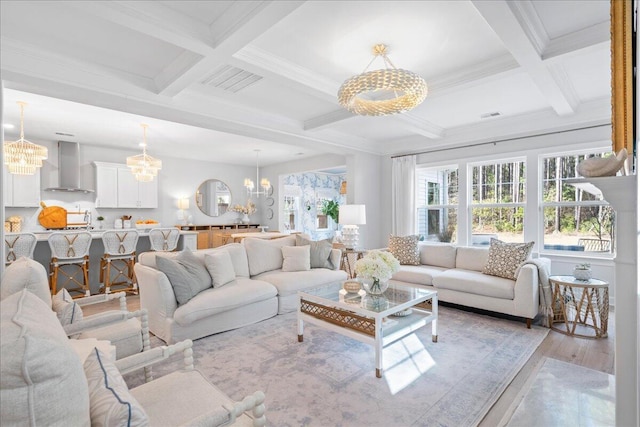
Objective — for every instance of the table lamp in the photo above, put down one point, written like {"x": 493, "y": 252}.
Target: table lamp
{"x": 350, "y": 216}
{"x": 183, "y": 204}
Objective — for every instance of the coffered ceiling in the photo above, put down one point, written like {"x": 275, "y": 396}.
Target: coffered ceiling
{"x": 219, "y": 79}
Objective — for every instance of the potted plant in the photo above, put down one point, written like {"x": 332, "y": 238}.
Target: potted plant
{"x": 582, "y": 271}
{"x": 331, "y": 208}
{"x": 100, "y": 220}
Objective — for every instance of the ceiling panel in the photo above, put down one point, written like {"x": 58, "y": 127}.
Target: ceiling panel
{"x": 204, "y": 11}
{"x": 335, "y": 38}
{"x": 62, "y": 29}
{"x": 560, "y": 18}
{"x": 590, "y": 74}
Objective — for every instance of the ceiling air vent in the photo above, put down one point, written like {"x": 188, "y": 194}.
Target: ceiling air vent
{"x": 231, "y": 79}
{"x": 489, "y": 115}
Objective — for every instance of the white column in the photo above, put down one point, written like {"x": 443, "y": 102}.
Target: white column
{"x": 622, "y": 193}
{"x": 464, "y": 204}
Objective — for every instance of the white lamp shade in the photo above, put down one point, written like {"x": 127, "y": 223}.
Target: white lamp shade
{"x": 352, "y": 215}
{"x": 183, "y": 203}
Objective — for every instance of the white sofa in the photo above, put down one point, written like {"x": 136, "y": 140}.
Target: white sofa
{"x": 260, "y": 291}
{"x": 456, "y": 273}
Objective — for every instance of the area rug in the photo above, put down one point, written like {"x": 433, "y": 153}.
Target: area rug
{"x": 564, "y": 394}
{"x": 329, "y": 379}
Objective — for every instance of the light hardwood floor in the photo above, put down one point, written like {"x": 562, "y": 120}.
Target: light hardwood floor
{"x": 590, "y": 353}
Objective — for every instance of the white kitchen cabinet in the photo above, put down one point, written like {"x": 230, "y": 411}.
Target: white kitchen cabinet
{"x": 116, "y": 187}
{"x": 135, "y": 194}
{"x": 106, "y": 185}
{"x": 21, "y": 190}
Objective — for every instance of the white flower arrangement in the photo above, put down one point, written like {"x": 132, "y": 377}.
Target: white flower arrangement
{"x": 377, "y": 265}
{"x": 249, "y": 209}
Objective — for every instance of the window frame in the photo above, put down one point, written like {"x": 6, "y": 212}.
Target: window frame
{"x": 441, "y": 207}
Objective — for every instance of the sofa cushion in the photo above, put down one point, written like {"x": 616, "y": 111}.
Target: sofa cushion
{"x": 505, "y": 258}
{"x": 220, "y": 268}
{"x": 405, "y": 249}
{"x": 296, "y": 258}
{"x": 67, "y": 310}
{"x": 187, "y": 274}
{"x": 291, "y": 283}
{"x": 242, "y": 292}
{"x": 25, "y": 273}
{"x": 41, "y": 378}
{"x": 111, "y": 402}
{"x": 320, "y": 251}
{"x": 474, "y": 282}
{"x": 419, "y": 274}
{"x": 236, "y": 251}
{"x": 439, "y": 255}
{"x": 471, "y": 258}
{"x": 125, "y": 336}
{"x": 266, "y": 255}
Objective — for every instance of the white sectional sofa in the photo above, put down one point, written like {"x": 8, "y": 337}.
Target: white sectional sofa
{"x": 261, "y": 290}
{"x": 456, "y": 273}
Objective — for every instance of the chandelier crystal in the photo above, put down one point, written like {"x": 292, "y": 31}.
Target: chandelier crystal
{"x": 382, "y": 92}
{"x": 264, "y": 182}
{"x": 23, "y": 157}
{"x": 143, "y": 166}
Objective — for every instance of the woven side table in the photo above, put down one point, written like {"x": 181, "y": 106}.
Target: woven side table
{"x": 580, "y": 307}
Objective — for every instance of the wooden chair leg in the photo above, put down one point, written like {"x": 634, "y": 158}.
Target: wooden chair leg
{"x": 528, "y": 323}
{"x": 85, "y": 273}
{"x": 53, "y": 279}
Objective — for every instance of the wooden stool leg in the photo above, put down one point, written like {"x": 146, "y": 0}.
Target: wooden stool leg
{"x": 53, "y": 278}
{"x": 107, "y": 277}
{"x": 85, "y": 273}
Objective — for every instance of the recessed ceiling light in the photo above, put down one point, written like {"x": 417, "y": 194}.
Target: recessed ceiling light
{"x": 142, "y": 144}
{"x": 8, "y": 126}
{"x": 299, "y": 154}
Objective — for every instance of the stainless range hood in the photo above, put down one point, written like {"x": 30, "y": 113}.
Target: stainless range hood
{"x": 69, "y": 168}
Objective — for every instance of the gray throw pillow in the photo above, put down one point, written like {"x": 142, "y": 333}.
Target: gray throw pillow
{"x": 320, "y": 251}
{"x": 220, "y": 268}
{"x": 187, "y": 274}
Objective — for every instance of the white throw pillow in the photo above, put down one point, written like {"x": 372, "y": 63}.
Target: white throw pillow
{"x": 265, "y": 255}
{"x": 67, "y": 310}
{"x": 25, "y": 273}
{"x": 111, "y": 404}
{"x": 220, "y": 268}
{"x": 42, "y": 378}
{"x": 296, "y": 258}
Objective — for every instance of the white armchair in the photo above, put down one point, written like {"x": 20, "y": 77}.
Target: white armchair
{"x": 166, "y": 403}
{"x": 128, "y": 332}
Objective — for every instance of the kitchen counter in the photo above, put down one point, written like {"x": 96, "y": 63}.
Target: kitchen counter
{"x": 97, "y": 234}
{"x": 42, "y": 253}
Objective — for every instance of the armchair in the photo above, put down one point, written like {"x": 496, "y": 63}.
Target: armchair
{"x": 128, "y": 332}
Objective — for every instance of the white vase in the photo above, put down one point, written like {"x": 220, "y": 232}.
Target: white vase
{"x": 246, "y": 219}
{"x": 582, "y": 274}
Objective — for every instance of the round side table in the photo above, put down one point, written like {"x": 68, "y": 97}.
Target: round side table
{"x": 580, "y": 307}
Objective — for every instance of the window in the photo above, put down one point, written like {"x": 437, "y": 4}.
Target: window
{"x": 437, "y": 203}
{"x": 576, "y": 218}
{"x": 498, "y": 202}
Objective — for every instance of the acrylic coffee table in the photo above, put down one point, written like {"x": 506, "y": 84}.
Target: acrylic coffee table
{"x": 368, "y": 318}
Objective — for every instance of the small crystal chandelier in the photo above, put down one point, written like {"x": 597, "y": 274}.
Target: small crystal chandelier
{"x": 407, "y": 89}
{"x": 264, "y": 183}
{"x": 143, "y": 166}
{"x": 23, "y": 157}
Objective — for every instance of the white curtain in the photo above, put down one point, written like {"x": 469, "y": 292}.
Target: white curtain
{"x": 403, "y": 189}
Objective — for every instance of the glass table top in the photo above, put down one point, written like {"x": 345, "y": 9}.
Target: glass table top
{"x": 395, "y": 295}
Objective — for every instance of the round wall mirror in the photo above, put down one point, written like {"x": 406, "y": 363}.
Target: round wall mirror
{"x": 213, "y": 197}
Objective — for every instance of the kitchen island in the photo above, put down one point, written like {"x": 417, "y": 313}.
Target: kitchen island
{"x": 42, "y": 253}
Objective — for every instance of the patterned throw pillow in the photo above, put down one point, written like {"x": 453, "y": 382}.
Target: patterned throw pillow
{"x": 505, "y": 258}
{"x": 405, "y": 249}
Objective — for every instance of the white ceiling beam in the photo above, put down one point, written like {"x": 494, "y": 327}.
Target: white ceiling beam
{"x": 328, "y": 119}
{"x": 506, "y": 20}
{"x": 595, "y": 37}
{"x": 420, "y": 126}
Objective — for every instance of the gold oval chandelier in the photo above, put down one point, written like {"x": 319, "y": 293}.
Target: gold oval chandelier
{"x": 407, "y": 89}
{"x": 23, "y": 157}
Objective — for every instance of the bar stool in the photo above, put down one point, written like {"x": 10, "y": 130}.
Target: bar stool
{"x": 70, "y": 249}
{"x": 164, "y": 239}
{"x": 119, "y": 255}
{"x": 17, "y": 245}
